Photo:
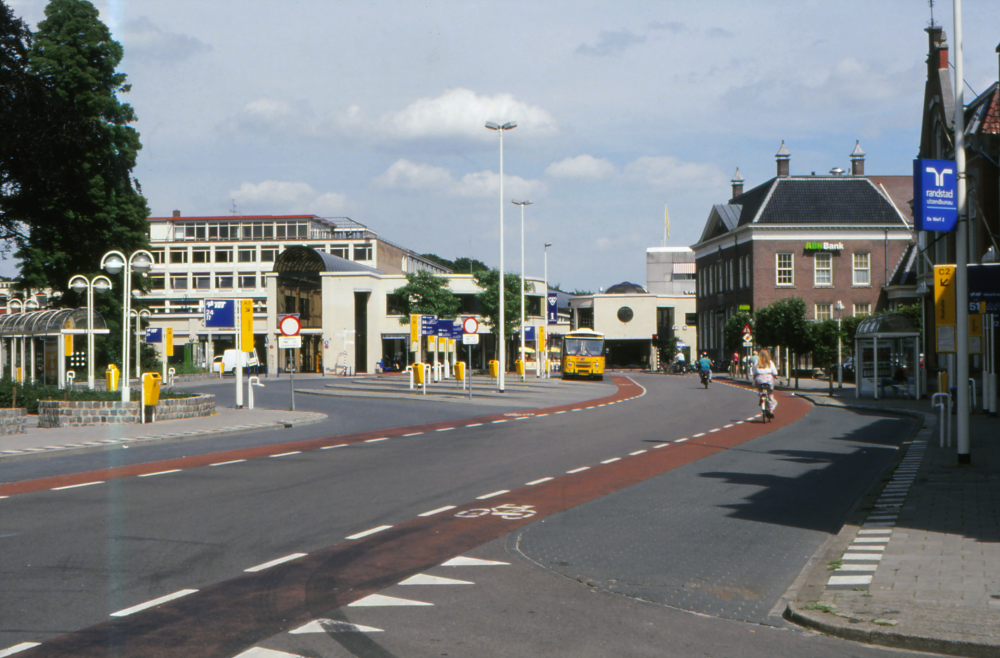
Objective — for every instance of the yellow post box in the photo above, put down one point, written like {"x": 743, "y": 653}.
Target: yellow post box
{"x": 460, "y": 370}
{"x": 418, "y": 373}
{"x": 519, "y": 364}
{"x": 111, "y": 376}
{"x": 151, "y": 388}
{"x": 494, "y": 368}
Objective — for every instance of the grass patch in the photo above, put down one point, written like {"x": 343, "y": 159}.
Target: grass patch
{"x": 833, "y": 566}
{"x": 819, "y": 605}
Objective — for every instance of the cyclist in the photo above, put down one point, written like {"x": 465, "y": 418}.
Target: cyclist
{"x": 705, "y": 365}
{"x": 764, "y": 372}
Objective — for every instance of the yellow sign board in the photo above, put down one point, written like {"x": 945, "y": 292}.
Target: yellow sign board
{"x": 541, "y": 340}
{"x": 432, "y": 342}
{"x": 168, "y": 340}
{"x": 68, "y": 344}
{"x": 944, "y": 295}
{"x": 414, "y": 333}
{"x": 975, "y": 333}
{"x": 246, "y": 325}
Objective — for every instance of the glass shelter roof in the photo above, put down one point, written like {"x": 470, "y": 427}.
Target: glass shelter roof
{"x": 51, "y": 322}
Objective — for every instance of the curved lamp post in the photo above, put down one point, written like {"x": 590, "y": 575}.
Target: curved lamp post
{"x": 29, "y": 304}
{"x": 545, "y": 307}
{"x": 524, "y": 368}
{"x": 138, "y": 315}
{"x": 80, "y": 284}
{"x": 839, "y": 307}
{"x": 510, "y": 125}
{"x": 113, "y": 262}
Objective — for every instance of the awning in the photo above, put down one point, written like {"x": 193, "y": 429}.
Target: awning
{"x": 684, "y": 268}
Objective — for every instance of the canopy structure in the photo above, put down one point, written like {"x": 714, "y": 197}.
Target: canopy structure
{"x": 50, "y": 323}
{"x": 887, "y": 356}
{"x": 34, "y": 345}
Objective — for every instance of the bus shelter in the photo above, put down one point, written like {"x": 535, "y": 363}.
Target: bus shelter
{"x": 34, "y": 345}
{"x": 887, "y": 357}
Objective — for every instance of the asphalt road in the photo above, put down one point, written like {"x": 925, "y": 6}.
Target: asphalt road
{"x": 718, "y": 524}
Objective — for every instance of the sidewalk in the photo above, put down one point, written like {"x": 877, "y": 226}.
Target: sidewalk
{"x": 918, "y": 565}
{"x": 225, "y": 421}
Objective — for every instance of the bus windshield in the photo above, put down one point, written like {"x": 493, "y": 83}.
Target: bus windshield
{"x": 583, "y": 346}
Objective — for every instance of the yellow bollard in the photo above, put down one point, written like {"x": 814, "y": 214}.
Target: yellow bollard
{"x": 460, "y": 370}
{"x": 418, "y": 372}
{"x": 519, "y": 365}
{"x": 494, "y": 368}
{"x": 111, "y": 376}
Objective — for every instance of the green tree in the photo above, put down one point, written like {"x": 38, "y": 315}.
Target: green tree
{"x": 823, "y": 336}
{"x": 465, "y": 265}
{"x": 489, "y": 300}
{"x": 79, "y": 199}
{"x": 444, "y": 262}
{"x": 783, "y": 323}
{"x": 426, "y": 294}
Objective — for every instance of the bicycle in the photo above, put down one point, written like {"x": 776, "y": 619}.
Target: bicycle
{"x": 764, "y": 395}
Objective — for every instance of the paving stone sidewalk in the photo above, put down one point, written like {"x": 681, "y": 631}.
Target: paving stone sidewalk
{"x": 931, "y": 531}
{"x": 225, "y": 421}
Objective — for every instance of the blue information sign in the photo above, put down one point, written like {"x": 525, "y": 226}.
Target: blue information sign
{"x": 529, "y": 332}
{"x": 154, "y": 335}
{"x": 984, "y": 286}
{"x": 552, "y": 312}
{"x": 428, "y": 325}
{"x": 935, "y": 195}
{"x": 220, "y": 313}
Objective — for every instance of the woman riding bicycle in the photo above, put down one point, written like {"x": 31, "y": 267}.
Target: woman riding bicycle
{"x": 764, "y": 372}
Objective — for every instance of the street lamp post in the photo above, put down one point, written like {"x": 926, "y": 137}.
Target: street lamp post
{"x": 510, "y": 125}
{"x": 29, "y": 304}
{"x": 545, "y": 307}
{"x": 81, "y": 284}
{"x": 138, "y": 315}
{"x": 524, "y": 368}
{"x": 839, "y": 307}
{"x": 113, "y": 262}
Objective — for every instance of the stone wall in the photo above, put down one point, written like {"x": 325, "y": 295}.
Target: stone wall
{"x": 67, "y": 413}
{"x": 13, "y": 421}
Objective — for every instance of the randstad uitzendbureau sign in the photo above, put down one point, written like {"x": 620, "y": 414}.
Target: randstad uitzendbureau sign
{"x": 935, "y": 195}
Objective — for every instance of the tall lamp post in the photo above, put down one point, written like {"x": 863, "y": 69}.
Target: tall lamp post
{"x": 545, "y": 308}
{"x": 138, "y": 315}
{"x": 524, "y": 369}
{"x": 113, "y": 262}
{"x": 29, "y": 304}
{"x": 510, "y": 125}
{"x": 80, "y": 284}
{"x": 839, "y": 308}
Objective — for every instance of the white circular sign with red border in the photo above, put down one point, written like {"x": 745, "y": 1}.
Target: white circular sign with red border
{"x": 289, "y": 325}
{"x": 470, "y": 325}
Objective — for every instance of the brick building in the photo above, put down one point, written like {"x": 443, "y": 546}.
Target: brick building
{"x": 837, "y": 237}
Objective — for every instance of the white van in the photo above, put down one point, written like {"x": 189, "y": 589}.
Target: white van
{"x": 227, "y": 362}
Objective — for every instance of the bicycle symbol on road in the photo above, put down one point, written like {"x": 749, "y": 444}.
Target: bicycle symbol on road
{"x": 510, "y": 511}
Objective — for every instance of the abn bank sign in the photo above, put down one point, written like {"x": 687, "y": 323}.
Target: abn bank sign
{"x": 935, "y": 195}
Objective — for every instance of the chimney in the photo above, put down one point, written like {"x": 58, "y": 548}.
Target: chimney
{"x": 737, "y": 183}
{"x": 937, "y": 49}
{"x": 857, "y": 160}
{"x": 177, "y": 213}
{"x": 782, "y": 156}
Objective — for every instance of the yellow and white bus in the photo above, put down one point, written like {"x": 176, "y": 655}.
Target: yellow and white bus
{"x": 583, "y": 354}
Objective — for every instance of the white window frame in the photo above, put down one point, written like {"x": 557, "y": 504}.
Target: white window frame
{"x": 858, "y": 313}
{"x": 778, "y": 270}
{"x": 821, "y": 267}
{"x": 824, "y": 309}
{"x": 866, "y": 270}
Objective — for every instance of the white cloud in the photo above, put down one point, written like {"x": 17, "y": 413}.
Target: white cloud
{"x": 406, "y": 175}
{"x": 582, "y": 166}
{"x": 611, "y": 43}
{"x": 287, "y": 198}
{"x": 669, "y": 172}
{"x": 145, "y": 41}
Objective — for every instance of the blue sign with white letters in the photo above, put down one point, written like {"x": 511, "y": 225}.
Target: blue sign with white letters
{"x": 935, "y": 195}
{"x": 220, "y": 313}
{"x": 552, "y": 312}
{"x": 154, "y": 335}
{"x": 428, "y": 325}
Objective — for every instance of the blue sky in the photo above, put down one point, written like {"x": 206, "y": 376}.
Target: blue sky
{"x": 375, "y": 110}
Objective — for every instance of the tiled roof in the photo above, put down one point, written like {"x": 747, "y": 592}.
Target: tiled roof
{"x": 826, "y": 200}
{"x": 905, "y": 273}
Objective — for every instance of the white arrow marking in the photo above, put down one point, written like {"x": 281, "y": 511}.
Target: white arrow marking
{"x": 471, "y": 562}
{"x": 17, "y": 648}
{"x": 333, "y": 626}
{"x": 424, "y": 579}
{"x": 260, "y": 652}
{"x": 379, "y": 600}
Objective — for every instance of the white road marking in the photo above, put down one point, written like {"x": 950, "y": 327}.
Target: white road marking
{"x": 491, "y": 495}
{"x": 445, "y": 429}
{"x": 424, "y": 579}
{"x": 261, "y": 652}
{"x": 561, "y": 412}
{"x": 608, "y": 461}
{"x": 579, "y": 470}
{"x": 437, "y": 511}
{"x": 333, "y": 626}
{"x": 17, "y": 648}
{"x": 235, "y": 461}
{"x": 864, "y": 547}
{"x": 662, "y": 445}
{"x": 858, "y": 567}
{"x": 74, "y": 486}
{"x": 380, "y": 600}
{"x": 697, "y": 435}
{"x": 539, "y": 481}
{"x": 499, "y": 421}
{"x": 285, "y": 454}
{"x": 274, "y": 563}
{"x": 475, "y": 425}
{"x": 369, "y": 532}
{"x": 637, "y": 452}
{"x": 339, "y": 445}
{"x": 152, "y": 604}
{"x": 462, "y": 561}
{"x": 715, "y": 430}
{"x": 871, "y": 540}
{"x": 850, "y": 580}
{"x": 739, "y": 422}
{"x": 753, "y": 417}
{"x": 382, "y": 438}
{"x": 540, "y": 415}
{"x": 414, "y": 434}
{"x": 728, "y": 426}
{"x": 874, "y": 532}
{"x": 683, "y": 440}
{"x": 860, "y": 557}
{"x": 149, "y": 475}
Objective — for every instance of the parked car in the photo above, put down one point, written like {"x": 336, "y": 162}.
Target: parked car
{"x": 227, "y": 362}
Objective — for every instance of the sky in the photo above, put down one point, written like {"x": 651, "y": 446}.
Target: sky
{"x": 375, "y": 110}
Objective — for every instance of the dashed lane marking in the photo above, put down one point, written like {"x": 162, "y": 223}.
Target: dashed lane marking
{"x": 149, "y": 475}
{"x": 17, "y": 648}
{"x": 285, "y": 454}
{"x": 475, "y": 425}
{"x": 445, "y": 429}
{"x": 613, "y": 459}
{"x": 152, "y": 604}
{"x": 274, "y": 563}
{"x": 579, "y": 470}
{"x": 699, "y": 434}
{"x": 76, "y": 486}
{"x": 683, "y": 440}
{"x": 497, "y": 422}
{"x": 234, "y": 461}
{"x": 491, "y": 495}
{"x": 369, "y": 532}
{"x": 339, "y": 445}
{"x": 437, "y": 511}
{"x": 414, "y": 434}
{"x": 539, "y": 481}
{"x": 381, "y": 438}
{"x": 637, "y": 452}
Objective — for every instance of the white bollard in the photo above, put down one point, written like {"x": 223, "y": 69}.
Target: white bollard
{"x": 409, "y": 369}
{"x": 944, "y": 415}
{"x": 251, "y": 382}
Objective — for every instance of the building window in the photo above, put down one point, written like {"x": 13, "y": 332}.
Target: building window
{"x": 392, "y": 305}
{"x": 202, "y": 280}
{"x": 223, "y": 280}
{"x": 824, "y": 269}
{"x": 862, "y": 270}
{"x": 747, "y": 259}
{"x": 199, "y": 255}
{"x": 179, "y": 282}
{"x": 248, "y": 279}
{"x": 158, "y": 256}
{"x": 179, "y": 256}
{"x": 268, "y": 255}
{"x": 248, "y": 255}
{"x": 156, "y": 281}
{"x": 861, "y": 310}
{"x": 339, "y": 250}
{"x": 223, "y": 255}
{"x": 364, "y": 252}
{"x": 824, "y": 312}
{"x": 784, "y": 272}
